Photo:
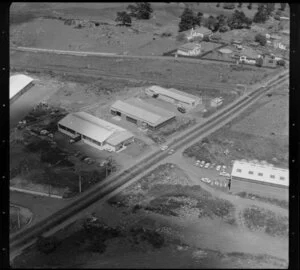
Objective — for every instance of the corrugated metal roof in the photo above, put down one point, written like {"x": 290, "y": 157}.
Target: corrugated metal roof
{"x": 92, "y": 127}
{"x": 119, "y": 137}
{"x": 189, "y": 46}
{"x": 261, "y": 173}
{"x": 141, "y": 111}
{"x": 174, "y": 93}
{"x": 17, "y": 83}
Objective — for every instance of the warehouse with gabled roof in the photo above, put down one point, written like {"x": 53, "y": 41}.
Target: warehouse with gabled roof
{"x": 266, "y": 180}
{"x": 94, "y": 131}
{"x": 18, "y": 85}
{"x": 173, "y": 95}
{"x": 141, "y": 113}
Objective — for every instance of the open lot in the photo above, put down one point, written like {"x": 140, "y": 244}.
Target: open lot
{"x": 165, "y": 72}
{"x": 164, "y": 220}
{"x": 261, "y": 133}
{"x": 38, "y": 163}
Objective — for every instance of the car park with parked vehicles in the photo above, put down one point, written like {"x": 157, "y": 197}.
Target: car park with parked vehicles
{"x": 207, "y": 165}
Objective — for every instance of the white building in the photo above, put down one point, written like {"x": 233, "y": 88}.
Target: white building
{"x": 18, "y": 85}
{"x": 198, "y": 32}
{"x": 260, "y": 173}
{"x": 173, "y": 96}
{"x": 96, "y": 132}
{"x": 141, "y": 113}
{"x": 189, "y": 49}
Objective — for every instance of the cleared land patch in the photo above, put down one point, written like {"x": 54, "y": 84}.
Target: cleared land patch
{"x": 167, "y": 191}
{"x": 267, "y": 221}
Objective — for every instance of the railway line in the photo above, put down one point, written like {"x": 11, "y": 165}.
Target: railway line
{"x": 224, "y": 116}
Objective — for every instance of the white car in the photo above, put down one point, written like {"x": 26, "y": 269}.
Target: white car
{"x": 224, "y": 167}
{"x": 224, "y": 174}
{"x": 201, "y": 165}
{"x": 171, "y": 151}
{"x": 207, "y": 165}
{"x": 164, "y": 147}
{"x": 218, "y": 167}
{"x": 202, "y": 162}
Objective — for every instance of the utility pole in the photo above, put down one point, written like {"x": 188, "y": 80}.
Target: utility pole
{"x": 18, "y": 213}
{"x": 79, "y": 176}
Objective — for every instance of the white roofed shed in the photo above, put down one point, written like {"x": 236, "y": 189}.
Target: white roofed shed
{"x": 17, "y": 83}
{"x": 261, "y": 173}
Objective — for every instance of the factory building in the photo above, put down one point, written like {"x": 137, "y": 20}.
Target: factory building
{"x": 173, "y": 96}
{"x": 264, "y": 180}
{"x": 141, "y": 113}
{"x": 96, "y": 132}
{"x": 18, "y": 85}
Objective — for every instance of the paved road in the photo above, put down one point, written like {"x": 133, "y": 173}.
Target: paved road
{"x": 139, "y": 174}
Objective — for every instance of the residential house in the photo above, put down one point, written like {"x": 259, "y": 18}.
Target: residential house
{"x": 279, "y": 45}
{"x": 200, "y": 32}
{"x": 189, "y": 49}
{"x": 248, "y": 55}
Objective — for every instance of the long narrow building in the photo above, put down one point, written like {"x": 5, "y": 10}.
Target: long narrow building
{"x": 142, "y": 114}
{"x": 265, "y": 180}
{"x": 18, "y": 85}
{"x": 96, "y": 132}
{"x": 173, "y": 95}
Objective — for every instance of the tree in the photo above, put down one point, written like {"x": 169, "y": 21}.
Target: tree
{"x": 211, "y": 23}
{"x": 123, "y": 18}
{"x": 240, "y": 4}
{"x": 47, "y": 244}
{"x": 187, "y": 20}
{"x": 199, "y": 18}
{"x": 239, "y": 20}
{"x": 249, "y": 6}
{"x": 282, "y": 6}
{"x": 261, "y": 39}
{"x": 261, "y": 15}
{"x": 141, "y": 10}
{"x": 259, "y": 62}
{"x": 218, "y": 4}
{"x": 229, "y": 6}
{"x": 270, "y": 7}
{"x": 221, "y": 23}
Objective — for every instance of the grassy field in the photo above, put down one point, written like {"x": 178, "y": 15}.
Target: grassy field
{"x": 172, "y": 197}
{"x": 267, "y": 221}
{"x": 258, "y": 133}
{"x": 144, "y": 222}
{"x": 281, "y": 203}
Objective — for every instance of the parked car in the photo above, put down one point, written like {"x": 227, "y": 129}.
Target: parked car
{"x": 164, "y": 147}
{"x": 218, "y": 167}
{"x": 224, "y": 174}
{"x": 203, "y": 162}
{"x": 171, "y": 151}
{"x": 212, "y": 165}
{"x": 224, "y": 167}
{"x": 207, "y": 165}
{"x": 44, "y": 132}
{"x": 181, "y": 109}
